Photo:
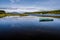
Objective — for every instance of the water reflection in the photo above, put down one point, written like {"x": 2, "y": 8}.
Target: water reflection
{"x": 27, "y": 25}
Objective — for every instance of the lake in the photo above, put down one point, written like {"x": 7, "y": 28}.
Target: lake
{"x": 19, "y": 26}
{"x": 44, "y": 15}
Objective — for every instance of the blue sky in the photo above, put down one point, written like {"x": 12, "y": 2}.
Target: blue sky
{"x": 30, "y": 5}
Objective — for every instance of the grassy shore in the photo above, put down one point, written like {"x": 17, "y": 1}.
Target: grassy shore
{"x": 7, "y": 14}
{"x": 3, "y": 15}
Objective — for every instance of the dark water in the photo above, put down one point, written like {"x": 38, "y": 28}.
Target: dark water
{"x": 16, "y": 27}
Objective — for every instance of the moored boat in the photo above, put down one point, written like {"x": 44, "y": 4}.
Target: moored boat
{"x": 46, "y": 19}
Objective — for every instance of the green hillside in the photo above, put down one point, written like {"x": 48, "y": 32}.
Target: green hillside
{"x": 49, "y": 12}
{"x": 45, "y": 12}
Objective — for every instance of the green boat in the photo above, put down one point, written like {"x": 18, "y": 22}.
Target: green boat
{"x": 46, "y": 19}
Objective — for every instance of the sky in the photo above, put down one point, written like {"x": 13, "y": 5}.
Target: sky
{"x": 29, "y": 5}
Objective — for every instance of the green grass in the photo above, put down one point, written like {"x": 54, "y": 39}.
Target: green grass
{"x": 3, "y": 15}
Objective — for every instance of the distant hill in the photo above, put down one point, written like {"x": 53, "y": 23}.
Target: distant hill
{"x": 16, "y": 12}
{"x": 49, "y": 12}
{"x": 45, "y": 12}
{"x": 13, "y": 12}
{"x": 2, "y": 12}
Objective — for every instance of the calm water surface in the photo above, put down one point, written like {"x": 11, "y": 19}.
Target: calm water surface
{"x": 28, "y": 23}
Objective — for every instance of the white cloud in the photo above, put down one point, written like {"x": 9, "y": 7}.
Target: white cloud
{"x": 14, "y": 1}
{"x": 38, "y": 6}
{"x": 24, "y": 9}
